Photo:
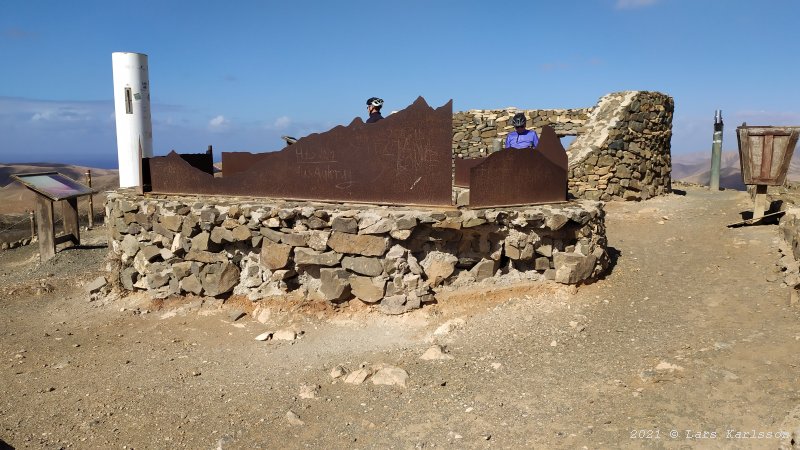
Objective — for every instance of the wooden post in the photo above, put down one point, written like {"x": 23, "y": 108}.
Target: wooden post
{"x": 69, "y": 208}
{"x": 91, "y": 199}
{"x": 45, "y": 228}
{"x": 760, "y": 203}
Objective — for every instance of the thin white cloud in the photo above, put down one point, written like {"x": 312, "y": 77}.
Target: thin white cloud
{"x": 63, "y": 114}
{"x": 40, "y": 112}
{"x": 633, "y": 4}
{"x": 282, "y": 122}
{"x": 218, "y": 122}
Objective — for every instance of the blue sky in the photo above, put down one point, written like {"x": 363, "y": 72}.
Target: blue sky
{"x": 239, "y": 74}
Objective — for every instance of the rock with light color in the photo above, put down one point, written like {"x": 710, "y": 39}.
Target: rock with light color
{"x": 358, "y": 376}
{"x": 309, "y": 391}
{"x": 285, "y": 335}
{"x": 390, "y": 376}
{"x": 449, "y": 326}
{"x": 264, "y": 336}
{"x": 294, "y": 419}
{"x": 436, "y": 352}
{"x": 338, "y": 372}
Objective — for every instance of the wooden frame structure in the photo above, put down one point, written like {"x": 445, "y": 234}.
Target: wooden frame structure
{"x": 764, "y": 155}
{"x": 51, "y": 187}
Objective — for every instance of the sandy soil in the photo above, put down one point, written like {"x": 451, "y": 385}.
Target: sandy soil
{"x": 690, "y": 333}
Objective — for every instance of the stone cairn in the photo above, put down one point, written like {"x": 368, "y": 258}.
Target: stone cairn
{"x": 394, "y": 257}
{"x": 622, "y": 149}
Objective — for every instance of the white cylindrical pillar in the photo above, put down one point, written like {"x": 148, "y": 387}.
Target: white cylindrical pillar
{"x": 132, "y": 110}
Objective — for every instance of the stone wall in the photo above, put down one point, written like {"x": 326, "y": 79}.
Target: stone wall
{"x": 790, "y": 250}
{"x": 475, "y": 131}
{"x": 393, "y": 257}
{"x": 18, "y": 243}
{"x": 625, "y": 151}
{"x": 622, "y": 149}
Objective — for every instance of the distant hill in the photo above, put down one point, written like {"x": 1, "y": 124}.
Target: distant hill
{"x": 17, "y": 199}
{"x": 696, "y": 168}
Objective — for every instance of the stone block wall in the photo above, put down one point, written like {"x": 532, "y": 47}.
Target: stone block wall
{"x": 475, "y": 131}
{"x": 790, "y": 249}
{"x": 622, "y": 149}
{"x": 625, "y": 151}
{"x": 392, "y": 257}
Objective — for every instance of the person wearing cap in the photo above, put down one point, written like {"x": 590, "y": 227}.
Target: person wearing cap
{"x": 374, "y": 105}
{"x": 521, "y": 137}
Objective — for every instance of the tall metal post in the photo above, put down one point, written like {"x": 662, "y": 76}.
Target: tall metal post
{"x": 91, "y": 199}
{"x": 716, "y": 151}
{"x": 132, "y": 114}
{"x": 33, "y": 224}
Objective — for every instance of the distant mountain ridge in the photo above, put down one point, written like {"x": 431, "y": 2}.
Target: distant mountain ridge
{"x": 696, "y": 168}
{"x": 16, "y": 198}
{"x": 77, "y": 173}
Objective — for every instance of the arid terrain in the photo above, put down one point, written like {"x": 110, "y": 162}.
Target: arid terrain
{"x": 16, "y": 200}
{"x": 690, "y": 341}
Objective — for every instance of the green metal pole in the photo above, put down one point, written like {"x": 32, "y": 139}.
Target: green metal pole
{"x": 716, "y": 151}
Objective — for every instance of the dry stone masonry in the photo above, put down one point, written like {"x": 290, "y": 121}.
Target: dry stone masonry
{"x": 790, "y": 250}
{"x": 476, "y": 131}
{"x": 622, "y": 149}
{"x": 393, "y": 257}
{"x": 625, "y": 152}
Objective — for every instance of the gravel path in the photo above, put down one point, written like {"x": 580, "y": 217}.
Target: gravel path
{"x": 685, "y": 333}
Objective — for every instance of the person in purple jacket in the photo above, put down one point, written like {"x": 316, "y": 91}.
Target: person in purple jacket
{"x": 521, "y": 137}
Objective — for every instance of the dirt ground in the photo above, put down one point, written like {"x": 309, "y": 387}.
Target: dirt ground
{"x": 689, "y": 342}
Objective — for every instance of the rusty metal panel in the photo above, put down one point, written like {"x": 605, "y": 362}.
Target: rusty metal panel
{"x": 521, "y": 176}
{"x": 202, "y": 161}
{"x": 765, "y": 153}
{"x": 237, "y": 162}
{"x": 172, "y": 174}
{"x": 165, "y": 169}
{"x": 404, "y": 159}
{"x": 463, "y": 167}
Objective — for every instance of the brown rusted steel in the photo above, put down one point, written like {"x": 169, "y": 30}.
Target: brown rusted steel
{"x": 203, "y": 162}
{"x": 521, "y": 176}
{"x": 172, "y": 174}
{"x": 765, "y": 153}
{"x": 403, "y": 159}
{"x": 237, "y": 162}
{"x": 463, "y": 167}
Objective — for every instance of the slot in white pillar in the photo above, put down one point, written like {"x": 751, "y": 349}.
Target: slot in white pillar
{"x": 132, "y": 111}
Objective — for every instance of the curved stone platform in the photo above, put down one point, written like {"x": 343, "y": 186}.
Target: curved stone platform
{"x": 394, "y": 257}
